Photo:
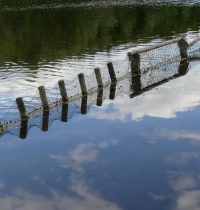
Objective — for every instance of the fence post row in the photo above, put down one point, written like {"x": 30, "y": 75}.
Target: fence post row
{"x": 134, "y": 57}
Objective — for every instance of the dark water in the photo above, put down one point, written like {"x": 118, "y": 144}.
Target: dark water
{"x": 140, "y": 153}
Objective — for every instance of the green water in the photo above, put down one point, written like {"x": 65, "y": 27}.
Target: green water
{"x": 35, "y": 35}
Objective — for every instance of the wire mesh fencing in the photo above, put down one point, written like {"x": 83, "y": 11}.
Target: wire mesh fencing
{"x": 143, "y": 69}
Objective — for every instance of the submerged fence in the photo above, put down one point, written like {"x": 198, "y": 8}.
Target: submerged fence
{"x": 143, "y": 70}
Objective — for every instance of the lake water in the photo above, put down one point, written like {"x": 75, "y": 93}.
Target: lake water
{"x": 130, "y": 153}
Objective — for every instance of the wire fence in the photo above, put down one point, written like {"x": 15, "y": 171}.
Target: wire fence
{"x": 143, "y": 69}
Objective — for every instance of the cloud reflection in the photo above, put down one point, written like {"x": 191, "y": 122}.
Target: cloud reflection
{"x": 81, "y": 197}
{"x": 166, "y": 101}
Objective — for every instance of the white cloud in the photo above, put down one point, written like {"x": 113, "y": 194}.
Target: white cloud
{"x": 183, "y": 158}
{"x": 174, "y": 135}
{"x": 188, "y": 200}
{"x": 178, "y": 95}
{"x": 84, "y": 199}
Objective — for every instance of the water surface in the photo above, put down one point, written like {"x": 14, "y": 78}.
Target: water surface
{"x": 131, "y": 153}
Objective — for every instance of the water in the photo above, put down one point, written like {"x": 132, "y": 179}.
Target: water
{"x": 130, "y": 153}
{"x": 40, "y": 46}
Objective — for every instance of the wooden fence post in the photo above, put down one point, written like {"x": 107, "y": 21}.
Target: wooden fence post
{"x": 112, "y": 72}
{"x": 183, "y": 46}
{"x": 84, "y": 93}
{"x": 135, "y": 72}
{"x": 82, "y": 84}
{"x": 183, "y": 67}
{"x": 63, "y": 91}
{"x": 22, "y": 108}
{"x": 43, "y": 98}
{"x": 100, "y": 87}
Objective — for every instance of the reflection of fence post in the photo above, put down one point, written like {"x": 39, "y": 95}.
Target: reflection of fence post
{"x": 112, "y": 72}
{"x": 43, "y": 98}
{"x": 64, "y": 115}
{"x": 183, "y": 46}
{"x": 136, "y": 85}
{"x": 45, "y": 120}
{"x": 23, "y": 129}
{"x": 183, "y": 67}
{"x": 100, "y": 86}
{"x": 84, "y": 93}
{"x": 112, "y": 91}
{"x": 113, "y": 78}
{"x": 24, "y": 118}
{"x": 63, "y": 91}
{"x": 22, "y": 108}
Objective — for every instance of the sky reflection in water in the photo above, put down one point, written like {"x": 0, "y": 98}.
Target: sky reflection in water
{"x": 129, "y": 154}
{"x": 140, "y": 153}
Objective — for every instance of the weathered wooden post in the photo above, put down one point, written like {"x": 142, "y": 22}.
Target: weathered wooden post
{"x": 83, "y": 84}
{"x": 43, "y": 98}
{"x": 63, "y": 91}
{"x": 45, "y": 120}
{"x": 100, "y": 87}
{"x": 136, "y": 85}
{"x": 84, "y": 93}
{"x": 23, "y": 128}
{"x": 112, "y": 72}
{"x": 22, "y": 108}
{"x": 64, "y": 115}
{"x": 113, "y": 78}
{"x": 183, "y": 46}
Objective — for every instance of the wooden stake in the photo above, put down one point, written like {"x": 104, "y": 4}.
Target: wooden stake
{"x": 98, "y": 77}
{"x": 112, "y": 72}
{"x": 22, "y": 108}
{"x": 83, "y": 84}
{"x": 183, "y": 67}
{"x": 63, "y": 91}
{"x": 100, "y": 86}
{"x": 135, "y": 73}
{"x": 43, "y": 98}
{"x": 183, "y": 46}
